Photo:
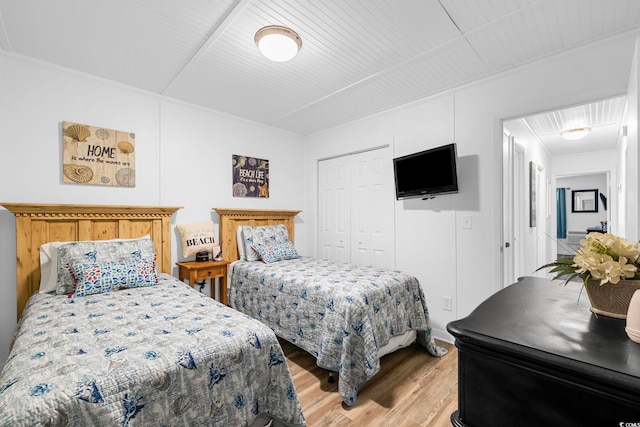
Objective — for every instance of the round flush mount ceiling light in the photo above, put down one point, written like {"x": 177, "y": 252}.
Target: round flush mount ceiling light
{"x": 277, "y": 43}
{"x": 576, "y": 133}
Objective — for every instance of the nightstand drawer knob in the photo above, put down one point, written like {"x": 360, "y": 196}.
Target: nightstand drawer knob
{"x": 209, "y": 273}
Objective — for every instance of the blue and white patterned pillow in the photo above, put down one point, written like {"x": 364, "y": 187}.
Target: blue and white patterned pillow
{"x": 262, "y": 235}
{"x": 49, "y": 263}
{"x": 101, "y": 277}
{"x": 276, "y": 252}
{"x": 98, "y": 251}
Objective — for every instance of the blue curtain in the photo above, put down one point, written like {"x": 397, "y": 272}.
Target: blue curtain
{"x": 561, "y": 208}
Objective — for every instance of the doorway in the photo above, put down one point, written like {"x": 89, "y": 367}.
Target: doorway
{"x": 538, "y": 139}
{"x": 577, "y": 220}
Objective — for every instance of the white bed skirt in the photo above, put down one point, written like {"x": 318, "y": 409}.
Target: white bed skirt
{"x": 398, "y": 342}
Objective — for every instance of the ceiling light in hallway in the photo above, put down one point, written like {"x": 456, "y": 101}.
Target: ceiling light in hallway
{"x": 575, "y": 133}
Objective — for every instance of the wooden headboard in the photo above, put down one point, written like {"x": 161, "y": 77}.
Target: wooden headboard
{"x": 37, "y": 224}
{"x": 231, "y": 219}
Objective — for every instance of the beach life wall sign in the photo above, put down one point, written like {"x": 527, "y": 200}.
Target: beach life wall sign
{"x": 250, "y": 176}
{"x": 98, "y": 156}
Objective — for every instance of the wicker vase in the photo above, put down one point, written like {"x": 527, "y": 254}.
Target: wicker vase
{"x": 609, "y": 299}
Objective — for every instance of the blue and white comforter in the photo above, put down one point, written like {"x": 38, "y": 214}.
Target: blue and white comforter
{"x": 340, "y": 313}
{"x": 164, "y": 356}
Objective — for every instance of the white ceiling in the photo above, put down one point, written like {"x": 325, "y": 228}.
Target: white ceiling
{"x": 358, "y": 57}
{"x": 604, "y": 117}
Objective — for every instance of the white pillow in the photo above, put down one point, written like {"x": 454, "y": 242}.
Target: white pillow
{"x": 196, "y": 237}
{"x": 240, "y": 243}
{"x": 49, "y": 263}
{"x": 49, "y": 266}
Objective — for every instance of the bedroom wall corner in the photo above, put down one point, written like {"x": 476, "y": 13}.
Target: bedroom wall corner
{"x": 196, "y": 165}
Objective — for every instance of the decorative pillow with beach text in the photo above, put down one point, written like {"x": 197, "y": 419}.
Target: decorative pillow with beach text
{"x": 198, "y": 237}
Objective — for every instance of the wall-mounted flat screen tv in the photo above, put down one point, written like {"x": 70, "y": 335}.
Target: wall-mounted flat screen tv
{"x": 426, "y": 173}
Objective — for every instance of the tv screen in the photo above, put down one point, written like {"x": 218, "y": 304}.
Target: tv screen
{"x": 426, "y": 173}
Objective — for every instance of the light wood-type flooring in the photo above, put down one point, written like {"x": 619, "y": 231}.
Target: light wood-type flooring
{"x": 411, "y": 389}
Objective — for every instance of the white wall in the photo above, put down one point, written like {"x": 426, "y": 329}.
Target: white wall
{"x": 580, "y": 221}
{"x": 431, "y": 243}
{"x": 183, "y": 156}
{"x": 598, "y": 162}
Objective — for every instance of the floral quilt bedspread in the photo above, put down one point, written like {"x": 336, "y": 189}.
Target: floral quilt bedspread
{"x": 165, "y": 355}
{"x": 340, "y": 313}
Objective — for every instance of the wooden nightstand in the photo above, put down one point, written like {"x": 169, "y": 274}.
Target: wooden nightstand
{"x": 192, "y": 271}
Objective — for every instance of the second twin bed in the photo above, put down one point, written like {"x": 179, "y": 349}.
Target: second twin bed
{"x": 343, "y": 314}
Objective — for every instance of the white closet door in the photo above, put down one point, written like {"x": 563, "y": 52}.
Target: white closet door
{"x": 333, "y": 210}
{"x": 355, "y": 209}
{"x": 372, "y": 201}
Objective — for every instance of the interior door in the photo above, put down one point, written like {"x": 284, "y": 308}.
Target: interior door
{"x": 507, "y": 210}
{"x": 519, "y": 212}
{"x": 513, "y": 212}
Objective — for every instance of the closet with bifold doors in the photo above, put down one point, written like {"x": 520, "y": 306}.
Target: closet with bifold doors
{"x": 355, "y": 208}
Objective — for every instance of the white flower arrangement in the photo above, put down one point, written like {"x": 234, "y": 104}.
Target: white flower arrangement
{"x": 601, "y": 256}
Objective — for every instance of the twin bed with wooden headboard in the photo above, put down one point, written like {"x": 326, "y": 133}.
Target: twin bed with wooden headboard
{"x": 346, "y": 316}
{"x": 37, "y": 224}
{"x": 129, "y": 344}
{"x": 231, "y": 219}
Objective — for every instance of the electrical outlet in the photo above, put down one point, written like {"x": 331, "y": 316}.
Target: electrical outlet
{"x": 466, "y": 222}
{"x": 447, "y": 303}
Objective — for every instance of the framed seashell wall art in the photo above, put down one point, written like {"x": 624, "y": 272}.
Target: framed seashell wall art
{"x": 250, "y": 176}
{"x": 94, "y": 155}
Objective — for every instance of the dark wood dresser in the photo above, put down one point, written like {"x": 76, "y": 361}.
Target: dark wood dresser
{"x": 532, "y": 355}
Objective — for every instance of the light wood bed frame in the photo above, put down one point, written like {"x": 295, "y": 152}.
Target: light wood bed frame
{"x": 37, "y": 224}
{"x": 231, "y": 219}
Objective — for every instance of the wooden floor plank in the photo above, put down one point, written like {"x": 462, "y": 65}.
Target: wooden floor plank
{"x": 412, "y": 389}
